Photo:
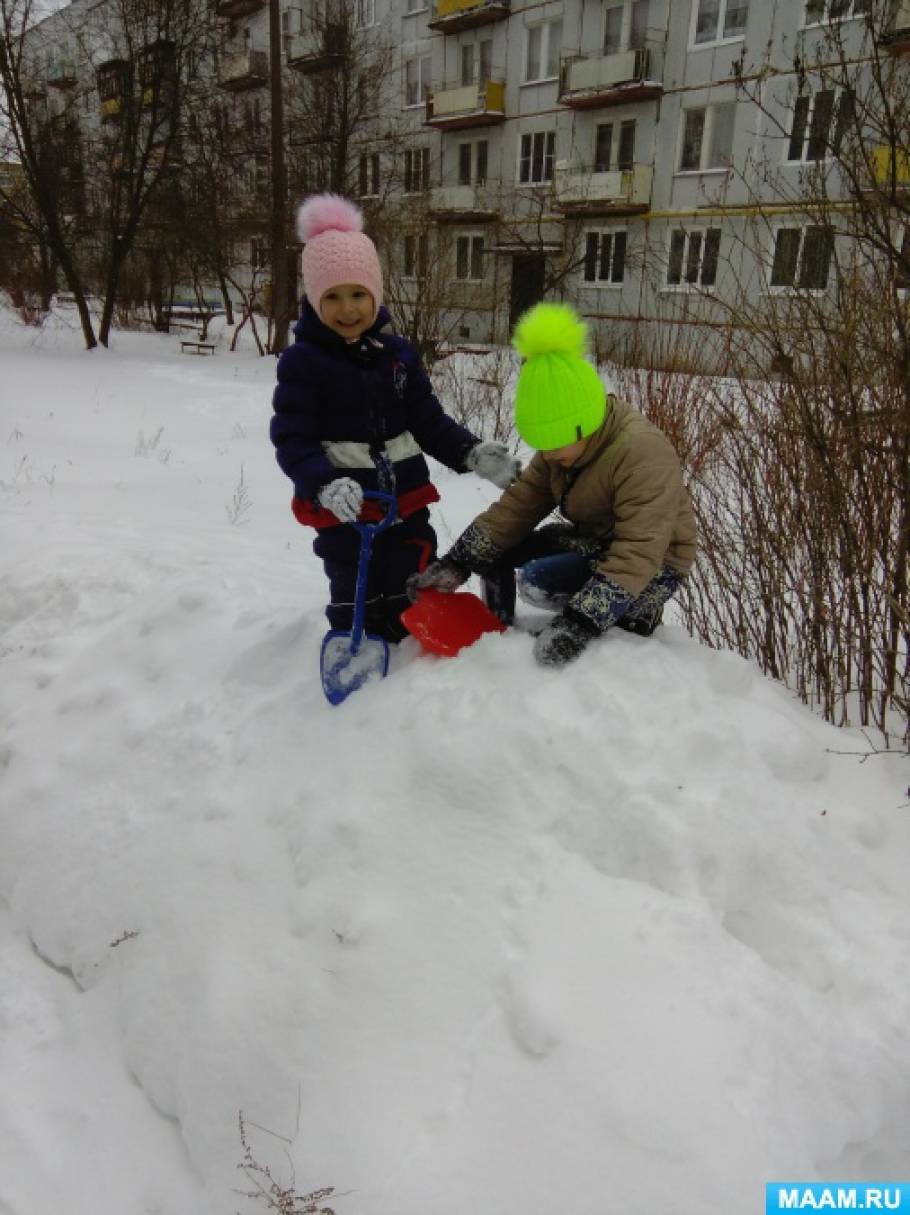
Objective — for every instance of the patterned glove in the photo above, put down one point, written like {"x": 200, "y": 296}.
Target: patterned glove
{"x": 343, "y": 497}
{"x": 438, "y": 576}
{"x": 599, "y": 604}
{"x": 472, "y": 553}
{"x": 562, "y": 640}
{"x": 493, "y": 462}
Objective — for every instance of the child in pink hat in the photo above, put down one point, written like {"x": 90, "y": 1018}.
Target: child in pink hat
{"x": 354, "y": 410}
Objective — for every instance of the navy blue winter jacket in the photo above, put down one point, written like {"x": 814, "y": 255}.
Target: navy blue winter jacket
{"x": 364, "y": 410}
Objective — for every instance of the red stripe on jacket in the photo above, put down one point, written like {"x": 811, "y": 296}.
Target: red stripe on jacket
{"x": 310, "y": 514}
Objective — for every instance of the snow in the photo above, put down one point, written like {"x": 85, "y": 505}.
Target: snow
{"x": 632, "y": 935}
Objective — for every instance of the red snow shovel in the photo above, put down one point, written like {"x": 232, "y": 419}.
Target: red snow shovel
{"x": 445, "y": 622}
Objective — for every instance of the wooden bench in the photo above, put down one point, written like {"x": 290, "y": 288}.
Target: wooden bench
{"x": 197, "y": 347}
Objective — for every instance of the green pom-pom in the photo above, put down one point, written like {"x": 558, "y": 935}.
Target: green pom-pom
{"x": 550, "y": 329}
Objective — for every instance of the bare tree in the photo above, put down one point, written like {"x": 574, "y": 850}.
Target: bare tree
{"x": 44, "y": 197}
{"x": 803, "y": 491}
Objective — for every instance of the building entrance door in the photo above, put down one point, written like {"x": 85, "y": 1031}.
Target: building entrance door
{"x": 528, "y": 276}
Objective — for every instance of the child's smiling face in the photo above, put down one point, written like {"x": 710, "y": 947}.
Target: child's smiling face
{"x": 348, "y": 310}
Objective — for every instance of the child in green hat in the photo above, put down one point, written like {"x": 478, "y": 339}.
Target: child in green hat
{"x": 625, "y": 539}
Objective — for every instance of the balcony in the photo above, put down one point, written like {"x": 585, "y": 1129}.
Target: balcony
{"x": 235, "y": 9}
{"x": 463, "y": 204}
{"x": 891, "y": 167}
{"x": 470, "y": 105}
{"x": 450, "y": 16}
{"x": 896, "y": 36}
{"x": 244, "y": 70}
{"x": 62, "y": 74}
{"x": 588, "y": 192}
{"x": 586, "y": 81}
{"x": 316, "y": 50}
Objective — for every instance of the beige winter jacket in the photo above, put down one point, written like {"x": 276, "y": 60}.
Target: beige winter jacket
{"x": 627, "y": 488}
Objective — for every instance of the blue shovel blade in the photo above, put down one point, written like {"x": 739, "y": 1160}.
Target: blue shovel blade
{"x": 345, "y": 669}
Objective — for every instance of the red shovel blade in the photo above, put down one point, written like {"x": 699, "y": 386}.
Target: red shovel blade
{"x": 445, "y": 623}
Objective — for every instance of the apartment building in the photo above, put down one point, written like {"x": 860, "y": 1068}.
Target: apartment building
{"x": 613, "y": 152}
{"x": 619, "y": 152}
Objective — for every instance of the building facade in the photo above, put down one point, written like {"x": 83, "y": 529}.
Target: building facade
{"x": 644, "y": 158}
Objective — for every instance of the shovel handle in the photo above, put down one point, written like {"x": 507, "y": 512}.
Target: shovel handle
{"x": 367, "y": 532}
{"x": 391, "y": 514}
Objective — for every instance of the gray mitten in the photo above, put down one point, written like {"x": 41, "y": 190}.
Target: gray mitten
{"x": 438, "y": 576}
{"x": 343, "y": 497}
{"x": 493, "y": 462}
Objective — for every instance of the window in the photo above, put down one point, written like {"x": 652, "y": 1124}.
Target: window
{"x": 472, "y": 163}
{"x": 536, "y": 164}
{"x": 476, "y": 61}
{"x": 693, "y": 257}
{"x": 819, "y": 124}
{"x": 719, "y": 19}
{"x": 626, "y": 26}
{"x": 365, "y": 13}
{"x": 605, "y": 257}
{"x": 259, "y": 253}
{"x": 802, "y": 257}
{"x": 290, "y": 25}
{"x": 542, "y": 51}
{"x": 251, "y": 116}
{"x": 707, "y": 138}
{"x": 416, "y": 255}
{"x": 818, "y": 11}
{"x": 614, "y": 146}
{"x": 417, "y": 80}
{"x": 902, "y": 267}
{"x": 416, "y": 170}
{"x": 469, "y": 258}
{"x": 369, "y": 175}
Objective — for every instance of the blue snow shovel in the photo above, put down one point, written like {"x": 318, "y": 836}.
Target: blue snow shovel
{"x": 348, "y": 660}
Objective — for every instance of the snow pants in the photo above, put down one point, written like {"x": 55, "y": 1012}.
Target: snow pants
{"x": 398, "y": 552}
{"x": 545, "y": 570}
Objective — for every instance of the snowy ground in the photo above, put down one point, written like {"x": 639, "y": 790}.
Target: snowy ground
{"x": 631, "y": 936}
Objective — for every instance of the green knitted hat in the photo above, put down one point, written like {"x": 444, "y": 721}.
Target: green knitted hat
{"x": 560, "y": 398}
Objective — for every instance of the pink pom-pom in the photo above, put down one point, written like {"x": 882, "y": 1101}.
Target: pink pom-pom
{"x": 327, "y": 212}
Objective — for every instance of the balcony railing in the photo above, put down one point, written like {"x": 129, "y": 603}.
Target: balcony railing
{"x": 62, "y": 74}
{"x": 244, "y": 70}
{"x": 450, "y": 16}
{"x": 585, "y": 191}
{"x": 588, "y": 80}
{"x": 470, "y": 105}
{"x": 896, "y": 35}
{"x": 468, "y": 204}
{"x": 235, "y": 9}
{"x": 317, "y": 49}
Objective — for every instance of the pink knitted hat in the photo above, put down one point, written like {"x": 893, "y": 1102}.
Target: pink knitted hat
{"x": 336, "y": 249}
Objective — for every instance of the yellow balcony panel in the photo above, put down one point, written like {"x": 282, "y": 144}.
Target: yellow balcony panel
{"x": 111, "y": 107}
{"x": 469, "y": 105}
{"x": 590, "y": 192}
{"x": 450, "y": 16}
{"x": 891, "y": 164}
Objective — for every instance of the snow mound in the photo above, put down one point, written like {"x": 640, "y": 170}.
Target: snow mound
{"x": 484, "y": 936}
